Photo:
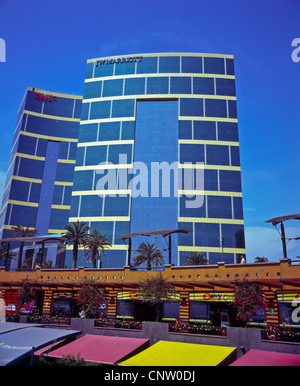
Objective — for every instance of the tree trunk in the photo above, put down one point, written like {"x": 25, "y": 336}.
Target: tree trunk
{"x": 157, "y": 307}
{"x": 94, "y": 258}
{"x": 20, "y": 254}
{"x": 75, "y": 253}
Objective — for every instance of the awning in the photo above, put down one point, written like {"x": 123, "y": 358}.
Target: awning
{"x": 17, "y": 344}
{"x": 165, "y": 353}
{"x": 107, "y": 350}
{"x": 267, "y": 358}
{"x": 11, "y": 326}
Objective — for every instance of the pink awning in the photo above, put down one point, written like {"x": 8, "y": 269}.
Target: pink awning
{"x": 267, "y": 358}
{"x": 107, "y": 350}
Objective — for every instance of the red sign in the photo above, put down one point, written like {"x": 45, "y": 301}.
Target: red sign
{"x": 45, "y": 98}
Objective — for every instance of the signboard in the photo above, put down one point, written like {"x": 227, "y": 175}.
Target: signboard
{"x": 212, "y": 297}
{"x": 127, "y": 295}
{"x": 50, "y": 98}
{"x": 288, "y": 298}
{"x": 129, "y": 59}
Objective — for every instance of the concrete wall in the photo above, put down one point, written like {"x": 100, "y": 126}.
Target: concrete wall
{"x": 243, "y": 339}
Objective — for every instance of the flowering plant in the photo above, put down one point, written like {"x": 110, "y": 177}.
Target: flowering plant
{"x": 26, "y": 291}
{"x": 248, "y": 299}
{"x": 90, "y": 297}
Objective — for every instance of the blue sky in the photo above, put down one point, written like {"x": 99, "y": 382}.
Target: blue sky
{"x": 48, "y": 43}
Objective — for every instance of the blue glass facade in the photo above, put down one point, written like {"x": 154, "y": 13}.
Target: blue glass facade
{"x": 161, "y": 108}
{"x": 39, "y": 179}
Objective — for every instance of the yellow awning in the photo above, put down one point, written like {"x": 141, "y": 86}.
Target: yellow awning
{"x": 165, "y": 353}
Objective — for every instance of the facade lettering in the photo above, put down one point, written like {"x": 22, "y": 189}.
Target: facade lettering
{"x": 130, "y": 59}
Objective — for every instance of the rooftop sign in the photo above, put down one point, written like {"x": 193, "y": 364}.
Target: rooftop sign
{"x": 129, "y": 59}
{"x": 45, "y": 98}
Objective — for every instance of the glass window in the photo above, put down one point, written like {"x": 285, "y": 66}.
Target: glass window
{"x": 92, "y": 90}
{"x": 228, "y": 131}
{"x": 225, "y": 86}
{"x": 215, "y": 258}
{"x": 238, "y": 207}
{"x": 134, "y": 86}
{"x": 235, "y": 155}
{"x": 27, "y": 144}
{"x": 214, "y": 66}
{"x": 123, "y": 108}
{"x": 170, "y": 310}
{"x": 35, "y": 192}
{"x": 180, "y": 85}
{"x": 91, "y": 206}
{"x": 230, "y": 181}
{"x": 113, "y": 87}
{"x": 191, "y": 153}
{"x": 30, "y": 168}
{"x": 95, "y": 155}
{"x": 106, "y": 228}
{"x": 100, "y": 110}
{"x": 147, "y": 65}
{"x": 88, "y": 133}
{"x": 109, "y": 131}
{"x": 83, "y": 180}
{"x": 85, "y": 111}
{"x": 58, "y": 218}
{"x": 124, "y": 68}
{"x": 169, "y": 64}
{"x": 23, "y": 214}
{"x": 199, "y": 310}
{"x": 229, "y": 66}
{"x": 184, "y": 129}
{"x": 158, "y": 85}
{"x": 215, "y": 108}
{"x": 116, "y": 150}
{"x": 233, "y": 236}
{"x": 187, "y": 211}
{"x": 210, "y": 179}
{"x": 205, "y": 130}
{"x": 217, "y": 155}
{"x": 128, "y": 129}
{"x": 191, "y": 64}
{"x": 191, "y": 107}
{"x": 207, "y": 235}
{"x": 116, "y": 206}
{"x": 125, "y": 308}
{"x": 219, "y": 207}
{"x": 79, "y": 156}
{"x": 203, "y": 86}
{"x": 185, "y": 238}
{"x": 232, "y": 109}
{"x": 121, "y": 228}
{"x": 89, "y": 70}
{"x": 103, "y": 70}
{"x": 19, "y": 190}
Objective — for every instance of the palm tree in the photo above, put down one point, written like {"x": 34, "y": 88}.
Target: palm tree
{"x": 4, "y": 253}
{"x": 196, "y": 258}
{"x": 260, "y": 260}
{"x": 22, "y": 231}
{"x": 149, "y": 254}
{"x": 93, "y": 246}
{"x": 77, "y": 235}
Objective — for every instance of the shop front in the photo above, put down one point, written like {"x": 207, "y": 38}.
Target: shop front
{"x": 213, "y": 309}
{"x": 130, "y": 305}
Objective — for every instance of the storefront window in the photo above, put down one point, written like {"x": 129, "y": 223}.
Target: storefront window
{"x": 61, "y": 307}
{"x": 170, "y": 311}
{"x": 125, "y": 309}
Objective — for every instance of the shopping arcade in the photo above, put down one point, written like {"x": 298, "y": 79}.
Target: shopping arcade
{"x": 283, "y": 278}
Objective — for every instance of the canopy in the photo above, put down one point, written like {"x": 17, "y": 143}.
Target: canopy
{"x": 19, "y": 343}
{"x": 165, "y": 353}
{"x": 107, "y": 350}
{"x": 267, "y": 358}
{"x": 277, "y": 220}
{"x": 163, "y": 233}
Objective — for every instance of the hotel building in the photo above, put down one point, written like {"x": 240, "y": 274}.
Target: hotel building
{"x": 168, "y": 109}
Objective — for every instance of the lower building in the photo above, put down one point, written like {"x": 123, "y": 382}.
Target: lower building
{"x": 204, "y": 294}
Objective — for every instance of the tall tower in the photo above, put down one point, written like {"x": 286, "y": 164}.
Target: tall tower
{"x": 148, "y": 111}
{"x": 40, "y": 173}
